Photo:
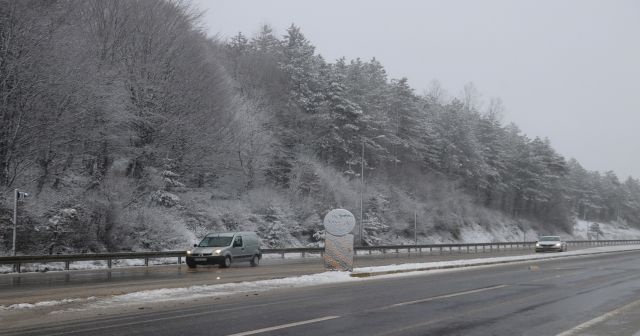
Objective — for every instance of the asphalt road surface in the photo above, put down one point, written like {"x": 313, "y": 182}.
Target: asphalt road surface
{"x": 36, "y": 287}
{"x": 577, "y": 295}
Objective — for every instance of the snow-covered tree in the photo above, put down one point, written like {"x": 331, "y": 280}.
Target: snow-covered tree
{"x": 302, "y": 67}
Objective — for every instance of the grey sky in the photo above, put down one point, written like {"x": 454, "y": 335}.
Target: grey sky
{"x": 566, "y": 70}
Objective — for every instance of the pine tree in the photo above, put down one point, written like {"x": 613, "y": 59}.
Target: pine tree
{"x": 265, "y": 41}
{"x": 237, "y": 47}
{"x": 406, "y": 121}
{"x": 491, "y": 137}
{"x": 340, "y": 139}
{"x": 302, "y": 67}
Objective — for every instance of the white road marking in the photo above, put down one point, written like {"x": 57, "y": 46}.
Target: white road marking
{"x": 446, "y": 296}
{"x": 598, "y": 319}
{"x": 166, "y": 318}
{"x": 284, "y": 326}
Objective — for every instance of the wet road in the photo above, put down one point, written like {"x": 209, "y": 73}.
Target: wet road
{"x": 530, "y": 298}
{"x": 35, "y": 287}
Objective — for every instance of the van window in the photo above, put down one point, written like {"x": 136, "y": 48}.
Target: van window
{"x": 238, "y": 241}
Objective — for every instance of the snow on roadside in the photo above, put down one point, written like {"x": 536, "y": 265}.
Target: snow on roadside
{"x": 482, "y": 261}
{"x": 86, "y": 265}
{"x": 473, "y": 233}
{"x": 226, "y": 289}
{"x": 204, "y": 291}
{"x": 192, "y": 292}
{"x": 610, "y": 231}
{"x": 44, "y": 303}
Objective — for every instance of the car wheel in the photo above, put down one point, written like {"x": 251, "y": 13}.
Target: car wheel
{"x": 255, "y": 260}
{"x": 191, "y": 265}
{"x": 226, "y": 263}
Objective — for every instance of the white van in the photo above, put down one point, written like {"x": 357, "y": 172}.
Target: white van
{"x": 225, "y": 248}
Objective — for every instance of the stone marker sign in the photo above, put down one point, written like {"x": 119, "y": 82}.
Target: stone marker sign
{"x": 338, "y": 241}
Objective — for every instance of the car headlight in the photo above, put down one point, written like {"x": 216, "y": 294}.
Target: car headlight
{"x": 188, "y": 252}
{"x": 537, "y": 244}
{"x": 558, "y": 245}
{"x": 217, "y": 251}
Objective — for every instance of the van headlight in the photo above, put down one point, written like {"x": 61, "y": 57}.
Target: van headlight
{"x": 537, "y": 244}
{"x": 217, "y": 251}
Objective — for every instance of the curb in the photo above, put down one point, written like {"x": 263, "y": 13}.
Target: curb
{"x": 486, "y": 263}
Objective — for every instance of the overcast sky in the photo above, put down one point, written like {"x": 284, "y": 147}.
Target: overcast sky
{"x": 566, "y": 70}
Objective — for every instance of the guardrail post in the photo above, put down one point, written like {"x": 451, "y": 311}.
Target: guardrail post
{"x": 146, "y": 261}
{"x": 109, "y": 263}
{"x": 179, "y": 260}
{"x": 66, "y": 265}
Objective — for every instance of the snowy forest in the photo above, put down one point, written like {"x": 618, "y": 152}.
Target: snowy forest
{"x": 131, "y": 129}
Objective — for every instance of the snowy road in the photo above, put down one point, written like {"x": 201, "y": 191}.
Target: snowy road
{"x": 529, "y": 298}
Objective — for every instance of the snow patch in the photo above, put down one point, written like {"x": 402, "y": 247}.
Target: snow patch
{"x": 610, "y": 231}
{"x": 19, "y": 306}
{"x": 208, "y": 291}
{"x": 482, "y": 261}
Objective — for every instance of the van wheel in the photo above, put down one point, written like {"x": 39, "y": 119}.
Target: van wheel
{"x": 255, "y": 260}
{"x": 226, "y": 263}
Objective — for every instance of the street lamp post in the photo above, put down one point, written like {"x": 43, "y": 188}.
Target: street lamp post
{"x": 15, "y": 220}
{"x": 16, "y": 196}
{"x": 415, "y": 227}
{"x": 361, "y": 228}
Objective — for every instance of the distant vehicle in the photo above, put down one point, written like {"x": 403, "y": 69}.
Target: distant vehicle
{"x": 550, "y": 243}
{"x": 225, "y": 248}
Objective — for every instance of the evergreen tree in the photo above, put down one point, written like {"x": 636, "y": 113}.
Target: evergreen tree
{"x": 340, "y": 141}
{"x": 302, "y": 68}
{"x": 491, "y": 137}
{"x": 265, "y": 41}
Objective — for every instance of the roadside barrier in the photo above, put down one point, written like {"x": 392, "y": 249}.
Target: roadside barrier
{"x": 303, "y": 252}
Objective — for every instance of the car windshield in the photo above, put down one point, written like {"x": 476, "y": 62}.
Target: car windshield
{"x": 215, "y": 241}
{"x": 550, "y": 238}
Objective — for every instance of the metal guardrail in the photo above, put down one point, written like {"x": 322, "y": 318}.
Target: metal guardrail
{"x": 303, "y": 251}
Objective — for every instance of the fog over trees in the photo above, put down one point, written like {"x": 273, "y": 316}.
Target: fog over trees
{"x": 131, "y": 129}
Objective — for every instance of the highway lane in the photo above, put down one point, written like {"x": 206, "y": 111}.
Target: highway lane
{"x": 35, "y": 287}
{"x": 528, "y": 298}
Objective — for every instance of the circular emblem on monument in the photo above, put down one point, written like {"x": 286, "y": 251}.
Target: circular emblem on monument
{"x": 339, "y": 222}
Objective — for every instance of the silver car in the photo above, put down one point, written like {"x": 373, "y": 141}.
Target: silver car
{"x": 225, "y": 248}
{"x": 551, "y": 243}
